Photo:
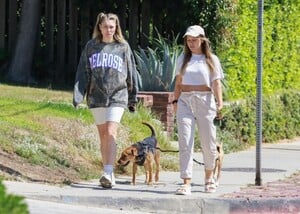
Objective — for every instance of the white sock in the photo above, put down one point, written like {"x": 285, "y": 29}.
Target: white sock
{"x": 108, "y": 169}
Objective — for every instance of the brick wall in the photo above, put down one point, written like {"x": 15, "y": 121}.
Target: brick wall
{"x": 161, "y": 106}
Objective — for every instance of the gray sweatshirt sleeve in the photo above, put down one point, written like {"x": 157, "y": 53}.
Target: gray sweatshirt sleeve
{"x": 81, "y": 80}
{"x": 132, "y": 78}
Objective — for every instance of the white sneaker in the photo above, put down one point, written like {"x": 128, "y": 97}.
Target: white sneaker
{"x": 113, "y": 179}
{"x": 107, "y": 180}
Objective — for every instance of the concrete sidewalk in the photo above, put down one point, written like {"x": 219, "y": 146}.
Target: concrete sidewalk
{"x": 277, "y": 160}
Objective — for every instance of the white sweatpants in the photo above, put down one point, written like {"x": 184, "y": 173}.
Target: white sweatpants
{"x": 196, "y": 108}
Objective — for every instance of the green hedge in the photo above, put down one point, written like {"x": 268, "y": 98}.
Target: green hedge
{"x": 281, "y": 48}
{"x": 280, "y": 116}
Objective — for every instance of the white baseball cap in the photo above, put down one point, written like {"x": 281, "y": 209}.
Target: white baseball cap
{"x": 194, "y": 31}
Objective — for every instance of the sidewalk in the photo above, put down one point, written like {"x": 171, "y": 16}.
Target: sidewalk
{"x": 278, "y": 161}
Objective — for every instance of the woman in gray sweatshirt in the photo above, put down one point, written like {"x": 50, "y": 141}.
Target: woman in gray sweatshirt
{"x": 107, "y": 77}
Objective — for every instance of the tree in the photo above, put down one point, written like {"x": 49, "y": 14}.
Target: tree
{"x": 20, "y": 67}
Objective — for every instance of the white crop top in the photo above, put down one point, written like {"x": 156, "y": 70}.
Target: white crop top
{"x": 197, "y": 71}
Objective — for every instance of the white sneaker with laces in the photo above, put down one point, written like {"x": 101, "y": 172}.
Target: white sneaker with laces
{"x": 107, "y": 180}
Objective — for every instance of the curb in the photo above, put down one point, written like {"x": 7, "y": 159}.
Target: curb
{"x": 181, "y": 205}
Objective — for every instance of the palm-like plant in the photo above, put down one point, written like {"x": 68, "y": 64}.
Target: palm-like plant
{"x": 157, "y": 66}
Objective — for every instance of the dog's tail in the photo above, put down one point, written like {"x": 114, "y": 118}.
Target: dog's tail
{"x": 153, "y": 134}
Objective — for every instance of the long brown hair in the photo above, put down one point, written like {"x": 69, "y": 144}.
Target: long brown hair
{"x": 205, "y": 48}
{"x": 118, "y": 36}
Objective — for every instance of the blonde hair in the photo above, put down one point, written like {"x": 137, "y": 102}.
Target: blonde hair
{"x": 205, "y": 48}
{"x": 118, "y": 36}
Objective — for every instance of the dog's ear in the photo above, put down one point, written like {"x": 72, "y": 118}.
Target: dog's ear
{"x": 134, "y": 152}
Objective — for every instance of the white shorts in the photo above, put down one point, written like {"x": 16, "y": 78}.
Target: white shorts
{"x": 102, "y": 115}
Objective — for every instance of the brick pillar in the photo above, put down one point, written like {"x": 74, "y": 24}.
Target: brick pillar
{"x": 163, "y": 108}
{"x": 146, "y": 100}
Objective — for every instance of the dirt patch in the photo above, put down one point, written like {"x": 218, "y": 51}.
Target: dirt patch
{"x": 64, "y": 140}
{"x": 13, "y": 167}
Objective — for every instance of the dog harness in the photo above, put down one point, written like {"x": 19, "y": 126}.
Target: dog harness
{"x": 144, "y": 147}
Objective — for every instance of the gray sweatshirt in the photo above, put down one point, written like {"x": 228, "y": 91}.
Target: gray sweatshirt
{"x": 106, "y": 75}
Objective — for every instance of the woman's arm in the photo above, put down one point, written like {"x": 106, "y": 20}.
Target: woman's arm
{"x": 177, "y": 89}
{"x": 217, "y": 90}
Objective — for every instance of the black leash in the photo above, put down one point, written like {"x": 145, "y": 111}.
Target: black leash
{"x": 166, "y": 150}
{"x": 198, "y": 162}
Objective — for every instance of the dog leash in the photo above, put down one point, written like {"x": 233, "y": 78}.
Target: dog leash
{"x": 162, "y": 150}
{"x": 200, "y": 163}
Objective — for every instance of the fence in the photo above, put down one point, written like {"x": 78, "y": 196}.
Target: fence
{"x": 66, "y": 25}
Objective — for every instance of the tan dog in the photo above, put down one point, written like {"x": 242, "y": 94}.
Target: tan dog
{"x": 219, "y": 163}
{"x": 143, "y": 153}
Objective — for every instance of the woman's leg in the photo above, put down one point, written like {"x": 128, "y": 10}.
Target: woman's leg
{"x": 186, "y": 129}
{"x": 108, "y": 134}
{"x": 186, "y": 125}
{"x": 108, "y": 120}
{"x": 207, "y": 136}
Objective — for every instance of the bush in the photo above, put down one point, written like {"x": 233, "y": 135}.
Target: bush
{"x": 10, "y": 203}
{"x": 280, "y": 116}
{"x": 281, "y": 58}
{"x": 157, "y": 66}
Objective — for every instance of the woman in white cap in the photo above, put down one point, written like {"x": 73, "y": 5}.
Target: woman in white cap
{"x": 198, "y": 98}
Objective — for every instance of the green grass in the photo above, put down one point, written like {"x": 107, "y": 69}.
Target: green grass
{"x": 42, "y": 126}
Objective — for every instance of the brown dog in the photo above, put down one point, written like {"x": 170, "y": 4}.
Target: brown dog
{"x": 143, "y": 153}
{"x": 219, "y": 163}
